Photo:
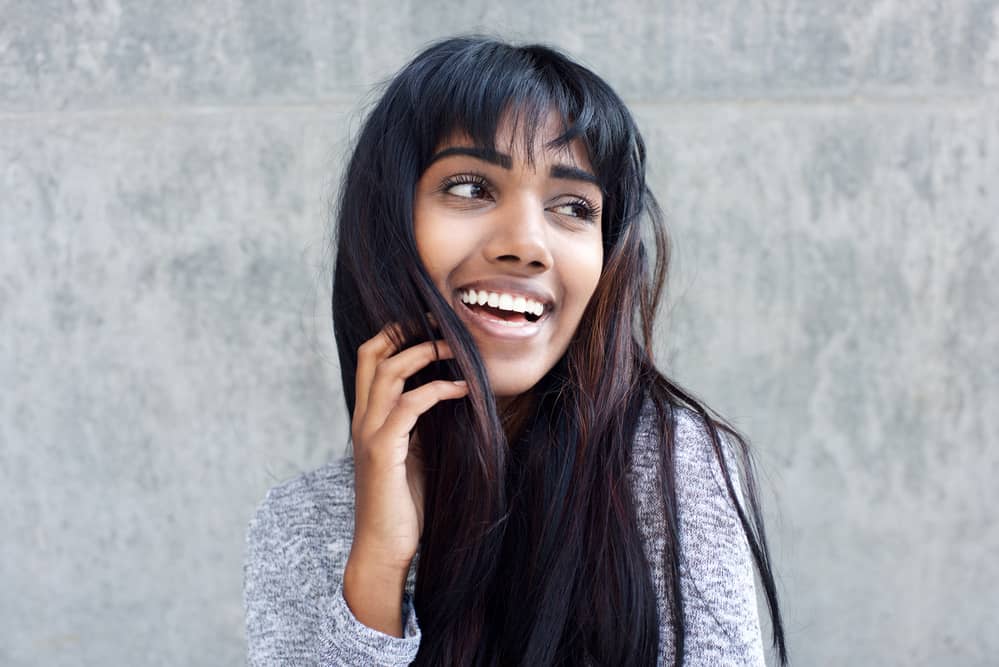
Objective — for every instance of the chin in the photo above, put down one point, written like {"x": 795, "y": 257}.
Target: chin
{"x": 510, "y": 385}
{"x": 510, "y": 390}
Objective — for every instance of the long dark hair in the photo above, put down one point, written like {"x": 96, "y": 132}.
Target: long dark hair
{"x": 531, "y": 552}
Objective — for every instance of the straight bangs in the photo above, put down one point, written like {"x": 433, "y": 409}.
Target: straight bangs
{"x": 468, "y": 88}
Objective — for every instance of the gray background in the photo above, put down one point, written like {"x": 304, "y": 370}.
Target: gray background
{"x": 830, "y": 174}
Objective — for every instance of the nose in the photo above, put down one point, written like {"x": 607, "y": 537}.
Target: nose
{"x": 519, "y": 238}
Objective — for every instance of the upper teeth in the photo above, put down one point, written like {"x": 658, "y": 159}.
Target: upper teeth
{"x": 503, "y": 301}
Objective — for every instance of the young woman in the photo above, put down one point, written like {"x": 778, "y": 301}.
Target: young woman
{"x": 525, "y": 487}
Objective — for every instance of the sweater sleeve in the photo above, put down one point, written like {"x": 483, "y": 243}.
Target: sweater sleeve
{"x": 296, "y": 550}
{"x": 716, "y": 568}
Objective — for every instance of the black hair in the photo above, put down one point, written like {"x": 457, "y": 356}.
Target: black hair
{"x": 544, "y": 563}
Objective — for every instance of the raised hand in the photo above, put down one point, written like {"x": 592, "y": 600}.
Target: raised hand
{"x": 388, "y": 473}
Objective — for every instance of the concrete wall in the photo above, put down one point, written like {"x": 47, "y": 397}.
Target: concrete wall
{"x": 830, "y": 172}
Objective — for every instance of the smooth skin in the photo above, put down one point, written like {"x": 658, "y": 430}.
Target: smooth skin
{"x": 520, "y": 224}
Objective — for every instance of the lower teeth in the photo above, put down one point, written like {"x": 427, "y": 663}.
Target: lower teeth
{"x": 505, "y": 315}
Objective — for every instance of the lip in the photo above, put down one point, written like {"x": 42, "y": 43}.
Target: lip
{"x": 499, "y": 328}
{"x": 513, "y": 287}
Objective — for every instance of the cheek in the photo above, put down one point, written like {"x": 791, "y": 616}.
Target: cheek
{"x": 582, "y": 269}
{"x": 432, "y": 246}
{"x": 444, "y": 243}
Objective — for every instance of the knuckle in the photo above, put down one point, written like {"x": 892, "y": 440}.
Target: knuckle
{"x": 366, "y": 348}
{"x": 383, "y": 369}
{"x": 431, "y": 353}
{"x": 407, "y": 401}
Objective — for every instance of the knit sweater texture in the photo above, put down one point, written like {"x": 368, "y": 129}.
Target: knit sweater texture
{"x": 299, "y": 538}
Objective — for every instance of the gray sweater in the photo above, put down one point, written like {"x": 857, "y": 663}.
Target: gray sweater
{"x": 299, "y": 539}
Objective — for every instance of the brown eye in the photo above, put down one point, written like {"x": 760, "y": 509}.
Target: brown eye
{"x": 581, "y": 209}
{"x": 466, "y": 186}
{"x": 575, "y": 210}
{"x": 467, "y": 190}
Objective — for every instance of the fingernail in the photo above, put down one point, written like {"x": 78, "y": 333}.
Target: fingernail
{"x": 460, "y": 383}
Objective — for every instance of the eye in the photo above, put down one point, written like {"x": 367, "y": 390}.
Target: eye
{"x": 466, "y": 186}
{"x": 579, "y": 208}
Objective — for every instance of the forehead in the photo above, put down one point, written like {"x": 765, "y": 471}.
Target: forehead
{"x": 526, "y": 144}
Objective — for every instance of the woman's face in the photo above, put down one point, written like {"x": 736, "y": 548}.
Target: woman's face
{"x": 504, "y": 240}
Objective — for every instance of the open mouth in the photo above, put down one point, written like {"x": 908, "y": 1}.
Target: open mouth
{"x": 505, "y": 309}
{"x": 500, "y": 314}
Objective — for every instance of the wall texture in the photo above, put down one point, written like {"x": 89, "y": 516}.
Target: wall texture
{"x": 831, "y": 173}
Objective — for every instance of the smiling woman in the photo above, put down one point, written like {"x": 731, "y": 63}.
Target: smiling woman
{"x": 525, "y": 487}
{"x": 510, "y": 230}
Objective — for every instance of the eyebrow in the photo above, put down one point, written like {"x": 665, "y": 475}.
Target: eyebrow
{"x": 506, "y": 162}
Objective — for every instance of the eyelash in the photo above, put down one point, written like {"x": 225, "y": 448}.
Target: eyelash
{"x": 591, "y": 212}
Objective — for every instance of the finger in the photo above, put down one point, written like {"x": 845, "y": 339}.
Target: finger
{"x": 412, "y": 404}
{"x": 369, "y": 354}
{"x": 391, "y": 374}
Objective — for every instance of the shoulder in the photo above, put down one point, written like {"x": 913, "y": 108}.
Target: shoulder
{"x": 312, "y": 490}
{"x": 311, "y": 509}
{"x": 715, "y": 564}
{"x": 701, "y": 493}
{"x": 706, "y": 513}
{"x": 695, "y": 458}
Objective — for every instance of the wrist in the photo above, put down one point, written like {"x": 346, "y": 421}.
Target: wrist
{"x": 373, "y": 593}
{"x": 372, "y": 570}
{"x": 376, "y": 559}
